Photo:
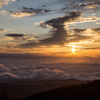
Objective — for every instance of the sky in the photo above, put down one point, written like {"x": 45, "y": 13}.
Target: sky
{"x": 50, "y": 27}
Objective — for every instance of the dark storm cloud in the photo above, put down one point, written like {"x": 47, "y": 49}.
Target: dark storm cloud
{"x": 15, "y": 35}
{"x": 59, "y": 34}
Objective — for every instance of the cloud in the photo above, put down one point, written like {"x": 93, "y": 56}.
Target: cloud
{"x": 58, "y": 33}
{"x": 27, "y": 12}
{"x": 83, "y": 5}
{"x": 85, "y": 19}
{"x": 2, "y": 67}
{"x": 96, "y": 29}
{"x": 78, "y": 38}
{"x": 15, "y": 35}
{"x": 77, "y": 31}
{"x": 85, "y": 36}
{"x": 2, "y": 30}
{"x": 24, "y": 9}
{"x": 88, "y": 5}
{"x": 97, "y": 23}
{"x": 4, "y": 2}
{"x": 22, "y": 37}
{"x": 21, "y": 14}
{"x": 51, "y": 69}
{"x": 4, "y": 12}
{"x": 91, "y": 48}
{"x": 86, "y": 32}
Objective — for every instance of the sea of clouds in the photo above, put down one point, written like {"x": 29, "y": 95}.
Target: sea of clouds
{"x": 48, "y": 69}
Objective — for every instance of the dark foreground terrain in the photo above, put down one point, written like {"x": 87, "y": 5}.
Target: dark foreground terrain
{"x": 22, "y": 89}
{"x": 89, "y": 91}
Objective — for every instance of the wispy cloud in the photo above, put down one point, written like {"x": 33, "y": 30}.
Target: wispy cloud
{"x": 4, "y": 2}
{"x": 2, "y": 30}
{"x": 21, "y": 14}
{"x": 25, "y": 12}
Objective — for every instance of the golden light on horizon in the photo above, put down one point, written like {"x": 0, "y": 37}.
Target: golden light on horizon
{"x": 73, "y": 50}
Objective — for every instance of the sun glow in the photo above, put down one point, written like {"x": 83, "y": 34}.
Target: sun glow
{"x": 73, "y": 50}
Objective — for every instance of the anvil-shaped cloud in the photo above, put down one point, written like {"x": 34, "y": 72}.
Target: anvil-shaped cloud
{"x": 59, "y": 34}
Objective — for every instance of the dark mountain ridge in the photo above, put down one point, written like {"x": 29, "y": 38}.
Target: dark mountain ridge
{"x": 89, "y": 91}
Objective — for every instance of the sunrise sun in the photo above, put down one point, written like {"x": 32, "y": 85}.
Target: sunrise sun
{"x": 73, "y": 50}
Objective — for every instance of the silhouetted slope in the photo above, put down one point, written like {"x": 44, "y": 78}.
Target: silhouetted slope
{"x": 89, "y": 91}
{"x": 21, "y": 89}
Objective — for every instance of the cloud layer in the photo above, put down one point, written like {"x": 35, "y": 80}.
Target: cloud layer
{"x": 48, "y": 69}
